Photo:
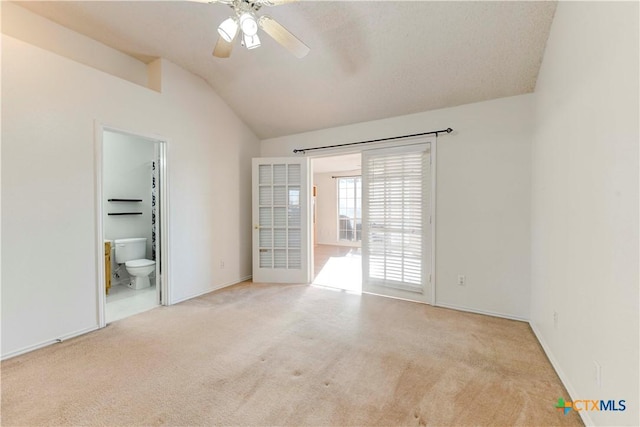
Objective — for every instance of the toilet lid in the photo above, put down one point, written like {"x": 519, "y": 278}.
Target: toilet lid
{"x": 140, "y": 263}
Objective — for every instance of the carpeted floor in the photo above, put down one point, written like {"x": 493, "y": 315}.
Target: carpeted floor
{"x": 289, "y": 355}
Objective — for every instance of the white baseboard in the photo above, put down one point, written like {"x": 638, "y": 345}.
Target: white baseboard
{"x": 485, "y": 312}
{"x": 214, "y": 288}
{"x": 96, "y": 327}
{"x": 48, "y": 343}
{"x": 586, "y": 419}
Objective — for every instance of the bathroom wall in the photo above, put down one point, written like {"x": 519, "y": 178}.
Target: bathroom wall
{"x": 127, "y": 175}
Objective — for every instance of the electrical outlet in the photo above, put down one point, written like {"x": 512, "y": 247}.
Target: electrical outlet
{"x": 598, "y": 373}
{"x": 462, "y": 280}
{"x": 555, "y": 320}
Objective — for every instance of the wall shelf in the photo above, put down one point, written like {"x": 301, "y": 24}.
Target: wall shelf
{"x": 124, "y": 200}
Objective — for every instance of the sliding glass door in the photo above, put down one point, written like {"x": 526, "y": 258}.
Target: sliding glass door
{"x": 396, "y": 241}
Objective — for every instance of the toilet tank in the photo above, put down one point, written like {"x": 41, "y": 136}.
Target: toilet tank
{"x": 130, "y": 249}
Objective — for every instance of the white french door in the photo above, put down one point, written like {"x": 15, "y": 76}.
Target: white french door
{"x": 281, "y": 228}
{"x": 396, "y": 241}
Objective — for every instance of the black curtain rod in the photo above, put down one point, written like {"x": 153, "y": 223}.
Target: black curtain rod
{"x": 435, "y": 132}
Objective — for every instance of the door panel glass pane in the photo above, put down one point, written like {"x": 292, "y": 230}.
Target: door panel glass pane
{"x": 294, "y": 238}
{"x": 294, "y": 174}
{"x": 280, "y": 258}
{"x": 280, "y": 174}
{"x": 265, "y": 238}
{"x": 264, "y": 174}
{"x": 294, "y": 195}
{"x": 279, "y": 238}
{"x": 294, "y": 216}
{"x": 264, "y": 196}
{"x": 266, "y": 258}
{"x": 280, "y": 195}
{"x": 280, "y": 217}
{"x": 294, "y": 259}
{"x": 265, "y": 217}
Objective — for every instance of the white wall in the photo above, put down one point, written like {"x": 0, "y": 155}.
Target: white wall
{"x": 585, "y": 203}
{"x": 327, "y": 208}
{"x": 50, "y": 105}
{"x": 483, "y": 196}
{"x": 34, "y": 29}
{"x": 127, "y": 174}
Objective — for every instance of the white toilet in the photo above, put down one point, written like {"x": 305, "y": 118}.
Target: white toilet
{"x": 131, "y": 253}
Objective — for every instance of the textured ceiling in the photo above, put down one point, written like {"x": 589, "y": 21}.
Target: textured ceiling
{"x": 368, "y": 60}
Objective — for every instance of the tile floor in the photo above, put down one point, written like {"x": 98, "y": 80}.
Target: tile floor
{"x": 123, "y": 301}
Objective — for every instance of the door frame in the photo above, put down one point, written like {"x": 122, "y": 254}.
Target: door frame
{"x": 163, "y": 209}
{"x": 433, "y": 141}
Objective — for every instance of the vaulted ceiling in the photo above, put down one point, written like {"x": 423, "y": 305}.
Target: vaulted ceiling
{"x": 368, "y": 60}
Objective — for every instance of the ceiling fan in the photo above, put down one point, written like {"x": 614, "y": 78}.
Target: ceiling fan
{"x": 245, "y": 23}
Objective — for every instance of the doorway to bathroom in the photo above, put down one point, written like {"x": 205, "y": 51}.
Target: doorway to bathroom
{"x": 132, "y": 185}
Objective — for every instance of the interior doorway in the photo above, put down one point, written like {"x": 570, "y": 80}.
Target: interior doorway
{"x": 132, "y": 224}
{"x": 338, "y": 222}
{"x": 357, "y": 221}
{"x": 381, "y": 207}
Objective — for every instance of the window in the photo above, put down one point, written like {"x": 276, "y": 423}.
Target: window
{"x": 350, "y": 208}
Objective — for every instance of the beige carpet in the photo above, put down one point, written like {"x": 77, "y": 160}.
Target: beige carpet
{"x": 289, "y": 355}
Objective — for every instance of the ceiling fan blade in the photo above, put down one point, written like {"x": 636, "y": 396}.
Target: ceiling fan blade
{"x": 212, "y": 1}
{"x": 273, "y": 2}
{"x": 223, "y": 48}
{"x": 283, "y": 36}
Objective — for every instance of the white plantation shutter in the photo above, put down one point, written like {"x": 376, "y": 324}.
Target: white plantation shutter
{"x": 395, "y": 190}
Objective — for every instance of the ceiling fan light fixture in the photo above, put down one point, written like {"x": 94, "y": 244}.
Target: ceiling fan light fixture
{"x": 244, "y": 24}
{"x": 248, "y": 24}
{"x": 251, "y": 41}
{"x": 228, "y": 29}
